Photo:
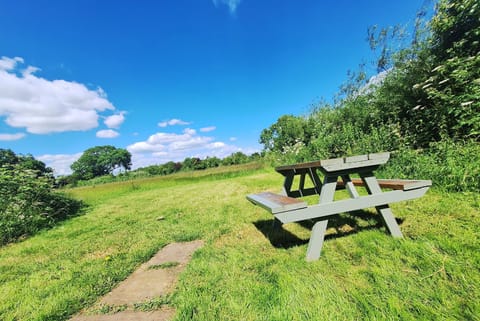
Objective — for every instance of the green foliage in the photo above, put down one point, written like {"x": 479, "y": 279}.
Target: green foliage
{"x": 28, "y": 204}
{"x": 9, "y": 159}
{"x": 433, "y": 92}
{"x": 452, "y": 166}
{"x": 287, "y": 131}
{"x": 426, "y": 98}
{"x": 101, "y": 160}
{"x": 236, "y": 158}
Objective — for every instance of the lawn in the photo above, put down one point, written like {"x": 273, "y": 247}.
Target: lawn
{"x": 247, "y": 270}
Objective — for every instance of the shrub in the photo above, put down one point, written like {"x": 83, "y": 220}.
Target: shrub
{"x": 452, "y": 166}
{"x": 28, "y": 203}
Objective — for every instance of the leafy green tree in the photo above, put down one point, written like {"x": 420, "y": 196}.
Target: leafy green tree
{"x": 286, "y": 132}
{"x": 9, "y": 159}
{"x": 191, "y": 163}
{"x": 235, "y": 159}
{"x": 211, "y": 162}
{"x": 101, "y": 160}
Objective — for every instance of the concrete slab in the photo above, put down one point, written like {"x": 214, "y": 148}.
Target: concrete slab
{"x": 149, "y": 281}
{"x": 160, "y": 315}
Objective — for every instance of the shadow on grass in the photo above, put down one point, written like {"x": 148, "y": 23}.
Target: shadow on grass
{"x": 343, "y": 224}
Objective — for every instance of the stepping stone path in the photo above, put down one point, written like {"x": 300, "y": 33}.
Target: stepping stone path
{"x": 152, "y": 280}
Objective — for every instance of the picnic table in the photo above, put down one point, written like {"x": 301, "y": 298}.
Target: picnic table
{"x": 337, "y": 174}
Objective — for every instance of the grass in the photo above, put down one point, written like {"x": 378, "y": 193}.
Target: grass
{"x": 247, "y": 270}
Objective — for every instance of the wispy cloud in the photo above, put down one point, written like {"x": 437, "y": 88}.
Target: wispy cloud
{"x": 172, "y": 122}
{"x": 10, "y": 137}
{"x": 44, "y": 106}
{"x": 208, "y": 129}
{"x": 107, "y": 133}
{"x": 231, "y": 4}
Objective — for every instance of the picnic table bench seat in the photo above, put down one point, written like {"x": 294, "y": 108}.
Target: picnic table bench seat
{"x": 276, "y": 203}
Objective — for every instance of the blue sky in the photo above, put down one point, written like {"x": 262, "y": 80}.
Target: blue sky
{"x": 171, "y": 79}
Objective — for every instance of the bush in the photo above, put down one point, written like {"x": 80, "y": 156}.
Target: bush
{"x": 452, "y": 166}
{"x": 28, "y": 203}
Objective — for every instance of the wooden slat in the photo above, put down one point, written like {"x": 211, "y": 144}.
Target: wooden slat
{"x": 396, "y": 184}
{"x": 276, "y": 203}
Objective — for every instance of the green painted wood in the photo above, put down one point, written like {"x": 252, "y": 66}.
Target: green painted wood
{"x": 317, "y": 237}
{"x": 348, "y": 205}
{"x": 384, "y": 210}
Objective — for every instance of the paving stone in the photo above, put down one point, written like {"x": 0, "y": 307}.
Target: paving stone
{"x": 149, "y": 281}
{"x": 159, "y": 315}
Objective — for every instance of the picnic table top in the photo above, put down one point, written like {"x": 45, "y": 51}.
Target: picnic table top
{"x": 338, "y": 164}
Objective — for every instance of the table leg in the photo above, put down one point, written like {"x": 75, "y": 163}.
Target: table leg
{"x": 317, "y": 182}
{"x": 301, "y": 185}
{"x": 328, "y": 189}
{"x": 318, "y": 231}
{"x": 385, "y": 212}
{"x": 287, "y": 185}
{"x": 316, "y": 240}
{"x": 350, "y": 187}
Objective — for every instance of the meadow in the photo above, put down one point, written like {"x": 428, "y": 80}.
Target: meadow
{"x": 248, "y": 270}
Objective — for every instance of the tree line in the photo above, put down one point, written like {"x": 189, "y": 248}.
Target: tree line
{"x": 108, "y": 163}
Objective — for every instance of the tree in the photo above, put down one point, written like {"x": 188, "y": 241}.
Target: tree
{"x": 9, "y": 159}
{"x": 287, "y": 131}
{"x": 235, "y": 159}
{"x": 101, "y": 160}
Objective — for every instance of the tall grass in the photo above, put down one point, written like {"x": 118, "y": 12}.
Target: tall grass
{"x": 452, "y": 166}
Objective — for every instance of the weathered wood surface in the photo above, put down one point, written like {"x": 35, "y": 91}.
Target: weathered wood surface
{"x": 396, "y": 184}
{"x": 337, "y": 164}
{"x": 276, "y": 203}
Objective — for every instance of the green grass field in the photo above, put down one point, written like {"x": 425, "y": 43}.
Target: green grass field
{"x": 247, "y": 270}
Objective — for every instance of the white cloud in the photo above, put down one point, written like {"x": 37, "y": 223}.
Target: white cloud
{"x": 115, "y": 121}
{"x": 232, "y": 139}
{"x": 9, "y": 63}
{"x": 173, "y": 122}
{"x": 10, "y": 137}
{"x": 162, "y": 147}
{"x": 107, "y": 133}
{"x": 44, "y": 106}
{"x": 60, "y": 163}
{"x": 216, "y": 145}
{"x": 189, "y": 131}
{"x": 192, "y": 143}
{"x": 231, "y": 4}
{"x": 207, "y": 129}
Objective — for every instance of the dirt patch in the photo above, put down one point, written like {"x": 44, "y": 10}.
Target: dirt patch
{"x": 153, "y": 279}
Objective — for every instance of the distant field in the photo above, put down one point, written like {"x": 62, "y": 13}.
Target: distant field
{"x": 247, "y": 270}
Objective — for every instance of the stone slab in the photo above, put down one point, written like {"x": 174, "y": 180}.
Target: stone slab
{"x": 159, "y": 315}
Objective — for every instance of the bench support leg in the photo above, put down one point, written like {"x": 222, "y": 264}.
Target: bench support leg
{"x": 316, "y": 240}
{"x": 384, "y": 210}
{"x": 389, "y": 220}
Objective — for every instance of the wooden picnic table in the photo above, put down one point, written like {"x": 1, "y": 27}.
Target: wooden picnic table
{"x": 288, "y": 206}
